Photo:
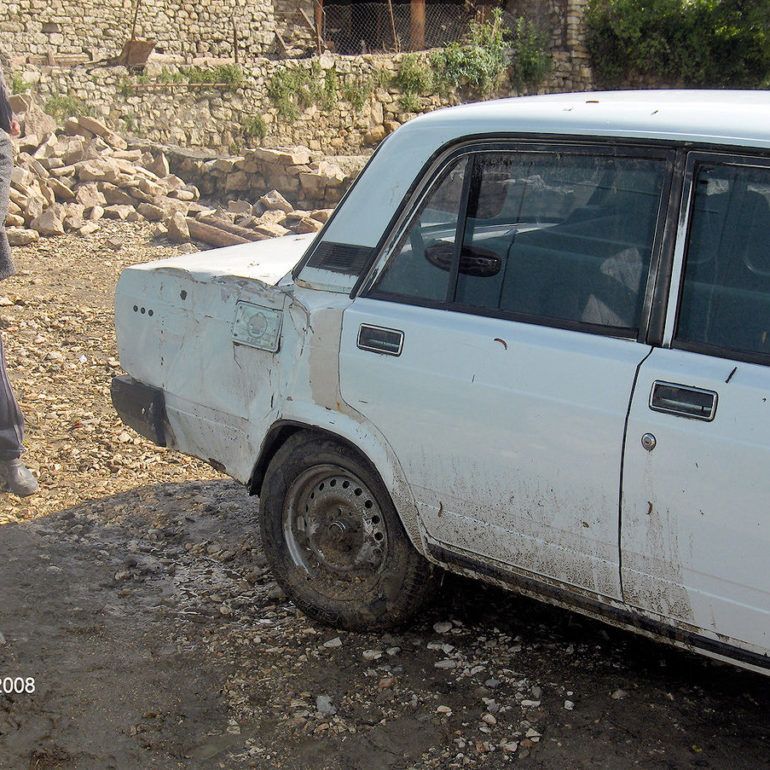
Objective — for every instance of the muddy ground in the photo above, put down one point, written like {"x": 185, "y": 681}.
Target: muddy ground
{"x": 134, "y": 591}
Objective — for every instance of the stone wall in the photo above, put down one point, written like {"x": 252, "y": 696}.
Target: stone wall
{"x": 217, "y": 118}
{"x": 222, "y": 119}
{"x": 96, "y": 30}
{"x": 564, "y": 20}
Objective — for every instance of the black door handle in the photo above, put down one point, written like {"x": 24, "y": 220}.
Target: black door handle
{"x": 683, "y": 400}
{"x": 378, "y": 339}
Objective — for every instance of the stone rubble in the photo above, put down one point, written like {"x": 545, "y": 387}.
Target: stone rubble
{"x": 67, "y": 179}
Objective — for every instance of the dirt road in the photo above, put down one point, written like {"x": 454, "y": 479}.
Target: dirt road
{"x": 134, "y": 592}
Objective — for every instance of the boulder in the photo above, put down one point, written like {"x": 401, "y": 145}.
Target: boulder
{"x": 177, "y": 227}
{"x": 60, "y": 190}
{"x": 98, "y": 171}
{"x": 114, "y": 195}
{"x": 150, "y": 212}
{"x": 97, "y": 128}
{"x": 118, "y": 211}
{"x": 322, "y": 215}
{"x": 50, "y": 222}
{"x": 158, "y": 165}
{"x": 88, "y": 228}
{"x": 89, "y": 195}
{"x": 307, "y": 225}
{"x": 286, "y": 156}
{"x": 274, "y": 201}
{"x": 18, "y": 236}
{"x": 37, "y": 122}
{"x": 271, "y": 230}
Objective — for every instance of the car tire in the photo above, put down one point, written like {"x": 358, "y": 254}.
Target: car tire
{"x": 334, "y": 540}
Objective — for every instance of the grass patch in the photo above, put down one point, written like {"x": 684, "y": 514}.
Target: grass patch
{"x": 61, "y": 106}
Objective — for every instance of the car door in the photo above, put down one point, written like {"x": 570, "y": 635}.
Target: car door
{"x": 696, "y": 486}
{"x": 495, "y": 348}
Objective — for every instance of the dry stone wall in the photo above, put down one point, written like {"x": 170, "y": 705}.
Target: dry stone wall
{"x": 96, "y": 30}
{"x": 222, "y": 119}
{"x": 564, "y": 19}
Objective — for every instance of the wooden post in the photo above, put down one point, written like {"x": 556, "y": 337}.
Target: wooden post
{"x": 417, "y": 25}
{"x": 136, "y": 17}
{"x": 396, "y": 46}
{"x": 319, "y": 24}
{"x": 235, "y": 37}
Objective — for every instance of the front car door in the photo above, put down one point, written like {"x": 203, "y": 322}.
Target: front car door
{"x": 496, "y": 344}
{"x": 696, "y": 484}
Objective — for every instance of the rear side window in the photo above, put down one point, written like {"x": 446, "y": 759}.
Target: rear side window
{"x": 560, "y": 238}
{"x": 725, "y": 298}
{"x": 567, "y": 237}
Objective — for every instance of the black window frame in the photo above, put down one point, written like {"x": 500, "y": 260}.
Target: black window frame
{"x": 695, "y": 160}
{"x": 425, "y": 184}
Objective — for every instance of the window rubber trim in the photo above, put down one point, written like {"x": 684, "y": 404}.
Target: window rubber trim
{"x": 366, "y": 285}
{"x": 696, "y": 158}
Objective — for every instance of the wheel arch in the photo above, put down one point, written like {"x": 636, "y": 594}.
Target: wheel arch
{"x": 392, "y": 479}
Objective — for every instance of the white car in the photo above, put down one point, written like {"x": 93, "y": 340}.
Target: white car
{"x": 531, "y": 346}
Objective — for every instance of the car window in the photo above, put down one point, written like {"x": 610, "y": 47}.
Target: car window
{"x": 725, "y": 299}
{"x": 420, "y": 264}
{"x": 566, "y": 238}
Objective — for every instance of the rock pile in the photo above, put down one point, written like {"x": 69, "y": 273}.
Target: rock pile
{"x": 66, "y": 179}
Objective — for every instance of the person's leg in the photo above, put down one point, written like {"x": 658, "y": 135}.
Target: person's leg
{"x": 11, "y": 418}
{"x": 15, "y": 477}
{"x": 6, "y": 167}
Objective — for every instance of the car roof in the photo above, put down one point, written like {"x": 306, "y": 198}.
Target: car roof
{"x": 707, "y": 116}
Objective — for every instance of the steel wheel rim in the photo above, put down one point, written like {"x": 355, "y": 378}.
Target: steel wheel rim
{"x": 333, "y": 526}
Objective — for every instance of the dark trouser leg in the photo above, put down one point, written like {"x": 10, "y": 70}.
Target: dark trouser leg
{"x": 11, "y": 418}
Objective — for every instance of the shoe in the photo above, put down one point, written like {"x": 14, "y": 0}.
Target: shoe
{"x": 17, "y": 479}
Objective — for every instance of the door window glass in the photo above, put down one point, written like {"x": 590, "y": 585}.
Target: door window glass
{"x": 420, "y": 264}
{"x": 566, "y": 239}
{"x": 725, "y": 300}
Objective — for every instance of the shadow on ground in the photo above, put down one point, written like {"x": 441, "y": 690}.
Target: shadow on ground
{"x": 157, "y": 638}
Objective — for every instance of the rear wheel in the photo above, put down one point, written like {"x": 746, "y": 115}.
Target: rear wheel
{"x": 334, "y": 540}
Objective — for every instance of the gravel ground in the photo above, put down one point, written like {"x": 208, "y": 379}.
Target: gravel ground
{"x": 135, "y": 593}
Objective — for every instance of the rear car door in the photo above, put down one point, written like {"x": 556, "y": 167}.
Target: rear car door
{"x": 696, "y": 483}
{"x": 496, "y": 344}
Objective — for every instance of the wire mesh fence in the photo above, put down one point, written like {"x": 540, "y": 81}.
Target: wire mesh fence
{"x": 359, "y": 28}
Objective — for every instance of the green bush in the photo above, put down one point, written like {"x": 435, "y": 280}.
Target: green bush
{"x": 357, "y": 90}
{"x": 18, "y": 86}
{"x": 531, "y": 61}
{"x": 254, "y": 128}
{"x": 62, "y": 106}
{"x": 414, "y": 75}
{"x": 716, "y": 43}
{"x": 409, "y": 102}
{"x": 292, "y": 89}
{"x": 227, "y": 74}
{"x": 479, "y": 62}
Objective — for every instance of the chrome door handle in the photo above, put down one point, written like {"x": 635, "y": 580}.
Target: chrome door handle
{"x": 379, "y": 339}
{"x": 683, "y": 400}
